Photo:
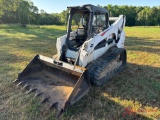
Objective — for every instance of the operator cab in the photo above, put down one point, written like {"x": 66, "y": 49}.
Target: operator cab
{"x": 79, "y": 27}
{"x": 84, "y": 22}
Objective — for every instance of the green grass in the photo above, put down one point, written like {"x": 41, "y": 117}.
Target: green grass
{"x": 136, "y": 89}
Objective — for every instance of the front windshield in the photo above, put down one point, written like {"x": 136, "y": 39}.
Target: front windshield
{"x": 79, "y": 20}
{"x": 78, "y": 28}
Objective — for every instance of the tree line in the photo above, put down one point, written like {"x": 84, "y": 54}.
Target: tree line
{"x": 25, "y": 12}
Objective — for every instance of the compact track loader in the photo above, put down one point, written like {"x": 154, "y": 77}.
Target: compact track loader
{"x": 92, "y": 51}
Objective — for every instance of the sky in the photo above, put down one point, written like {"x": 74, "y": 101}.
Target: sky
{"x": 57, "y": 6}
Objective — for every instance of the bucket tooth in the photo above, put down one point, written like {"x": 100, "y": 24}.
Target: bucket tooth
{"x": 31, "y": 90}
{"x": 20, "y": 83}
{"x": 45, "y": 100}
{"x": 53, "y": 105}
{"x": 59, "y": 112}
{"x": 38, "y": 94}
{"x": 58, "y": 106}
{"x": 16, "y": 80}
{"x": 26, "y": 87}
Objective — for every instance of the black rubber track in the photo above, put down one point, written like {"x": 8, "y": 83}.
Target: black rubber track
{"x": 95, "y": 68}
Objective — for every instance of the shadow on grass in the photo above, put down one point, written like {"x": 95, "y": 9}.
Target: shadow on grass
{"x": 143, "y": 44}
{"x": 137, "y": 82}
{"x": 136, "y": 87}
{"x": 38, "y": 41}
{"x": 8, "y": 57}
{"x": 37, "y": 31}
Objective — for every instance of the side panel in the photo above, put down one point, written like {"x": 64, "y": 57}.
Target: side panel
{"x": 60, "y": 42}
{"x": 121, "y": 40}
{"x": 86, "y": 58}
{"x": 115, "y": 33}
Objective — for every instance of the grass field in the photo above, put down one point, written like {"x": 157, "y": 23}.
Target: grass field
{"x": 133, "y": 94}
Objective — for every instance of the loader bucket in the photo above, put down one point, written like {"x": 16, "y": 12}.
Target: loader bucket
{"x": 57, "y": 82}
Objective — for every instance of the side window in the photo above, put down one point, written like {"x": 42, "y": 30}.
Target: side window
{"x": 99, "y": 20}
{"x": 99, "y": 23}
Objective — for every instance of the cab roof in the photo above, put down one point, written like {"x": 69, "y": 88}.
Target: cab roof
{"x": 90, "y": 7}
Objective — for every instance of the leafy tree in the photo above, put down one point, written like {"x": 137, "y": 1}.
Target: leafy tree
{"x": 24, "y": 12}
{"x": 7, "y": 5}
